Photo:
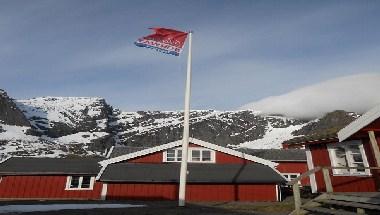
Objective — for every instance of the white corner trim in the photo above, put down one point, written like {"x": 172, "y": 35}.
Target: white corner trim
{"x": 359, "y": 123}
{"x": 110, "y": 151}
{"x": 310, "y": 166}
{"x": 103, "y": 194}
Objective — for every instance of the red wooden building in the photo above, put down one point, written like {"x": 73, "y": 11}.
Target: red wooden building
{"x": 355, "y": 146}
{"x": 215, "y": 174}
{"x": 49, "y": 178}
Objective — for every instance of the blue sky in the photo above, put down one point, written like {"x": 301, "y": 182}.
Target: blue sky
{"x": 244, "y": 51}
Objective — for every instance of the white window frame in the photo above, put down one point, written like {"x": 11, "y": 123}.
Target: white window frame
{"x": 69, "y": 178}
{"x": 190, "y": 158}
{"x": 348, "y": 172}
{"x": 165, "y": 157}
{"x": 288, "y": 174}
{"x": 200, "y": 149}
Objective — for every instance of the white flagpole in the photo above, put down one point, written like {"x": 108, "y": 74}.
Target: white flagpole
{"x": 186, "y": 130}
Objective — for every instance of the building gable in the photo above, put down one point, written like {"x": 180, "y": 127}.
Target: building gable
{"x": 229, "y": 154}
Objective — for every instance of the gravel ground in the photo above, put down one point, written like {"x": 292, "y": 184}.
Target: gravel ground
{"x": 168, "y": 208}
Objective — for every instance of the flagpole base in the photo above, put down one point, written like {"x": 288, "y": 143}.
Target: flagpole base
{"x": 181, "y": 203}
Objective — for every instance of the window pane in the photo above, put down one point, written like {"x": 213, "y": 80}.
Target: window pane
{"x": 354, "y": 149}
{"x": 170, "y": 159}
{"x": 86, "y": 182}
{"x": 357, "y": 158}
{"x": 195, "y": 155}
{"x": 341, "y": 160}
{"x": 74, "y": 182}
{"x": 179, "y": 155}
{"x": 170, "y": 155}
{"x": 293, "y": 176}
{"x": 206, "y": 155}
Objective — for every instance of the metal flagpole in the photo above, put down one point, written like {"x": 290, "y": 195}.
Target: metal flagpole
{"x": 186, "y": 130}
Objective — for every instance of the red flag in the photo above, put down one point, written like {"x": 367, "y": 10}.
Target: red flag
{"x": 164, "y": 40}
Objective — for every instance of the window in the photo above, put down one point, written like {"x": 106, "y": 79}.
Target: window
{"x": 79, "y": 183}
{"x": 348, "y": 154}
{"x": 202, "y": 155}
{"x": 196, "y": 154}
{"x": 291, "y": 176}
{"x": 173, "y": 155}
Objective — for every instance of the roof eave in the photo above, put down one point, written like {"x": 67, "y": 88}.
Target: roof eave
{"x": 359, "y": 123}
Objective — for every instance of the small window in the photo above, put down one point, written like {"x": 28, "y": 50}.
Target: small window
{"x": 291, "y": 176}
{"x": 80, "y": 182}
{"x": 86, "y": 182}
{"x": 348, "y": 154}
{"x": 173, "y": 155}
{"x": 206, "y": 155}
{"x": 202, "y": 155}
{"x": 170, "y": 155}
{"x": 74, "y": 182}
{"x": 195, "y": 155}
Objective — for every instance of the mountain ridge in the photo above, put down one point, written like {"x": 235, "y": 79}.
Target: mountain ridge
{"x": 87, "y": 126}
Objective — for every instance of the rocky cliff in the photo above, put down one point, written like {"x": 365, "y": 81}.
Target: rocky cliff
{"x": 82, "y": 126}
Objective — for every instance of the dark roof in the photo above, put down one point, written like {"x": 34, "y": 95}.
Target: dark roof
{"x": 123, "y": 150}
{"x": 277, "y": 154}
{"x": 198, "y": 173}
{"x": 316, "y": 138}
{"x": 49, "y": 166}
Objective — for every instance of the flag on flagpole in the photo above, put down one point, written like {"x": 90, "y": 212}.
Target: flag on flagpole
{"x": 164, "y": 40}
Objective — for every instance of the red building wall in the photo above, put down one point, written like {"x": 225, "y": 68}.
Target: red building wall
{"x": 341, "y": 183}
{"x": 43, "y": 187}
{"x": 194, "y": 192}
{"x": 151, "y": 158}
{"x": 294, "y": 167}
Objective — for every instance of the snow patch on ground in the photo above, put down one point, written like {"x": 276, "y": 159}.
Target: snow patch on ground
{"x": 272, "y": 138}
{"x": 13, "y": 132}
{"x": 15, "y": 142}
{"x": 81, "y": 137}
{"x": 57, "y": 207}
{"x": 68, "y": 110}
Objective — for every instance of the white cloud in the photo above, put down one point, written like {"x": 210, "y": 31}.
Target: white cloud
{"x": 356, "y": 93}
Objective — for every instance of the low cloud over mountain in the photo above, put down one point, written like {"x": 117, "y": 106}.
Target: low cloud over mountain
{"x": 355, "y": 93}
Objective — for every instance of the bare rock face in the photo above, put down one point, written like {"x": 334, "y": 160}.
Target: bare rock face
{"x": 228, "y": 128}
{"x": 328, "y": 125}
{"x": 9, "y": 113}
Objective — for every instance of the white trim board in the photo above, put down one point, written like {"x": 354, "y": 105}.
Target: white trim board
{"x": 310, "y": 166}
{"x": 359, "y": 123}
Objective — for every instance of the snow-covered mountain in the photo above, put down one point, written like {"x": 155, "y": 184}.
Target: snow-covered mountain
{"x": 82, "y": 126}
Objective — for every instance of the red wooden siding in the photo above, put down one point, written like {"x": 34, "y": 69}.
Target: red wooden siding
{"x": 194, "y": 192}
{"x": 222, "y": 158}
{"x": 41, "y": 187}
{"x": 156, "y": 157}
{"x": 294, "y": 167}
{"x": 342, "y": 183}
